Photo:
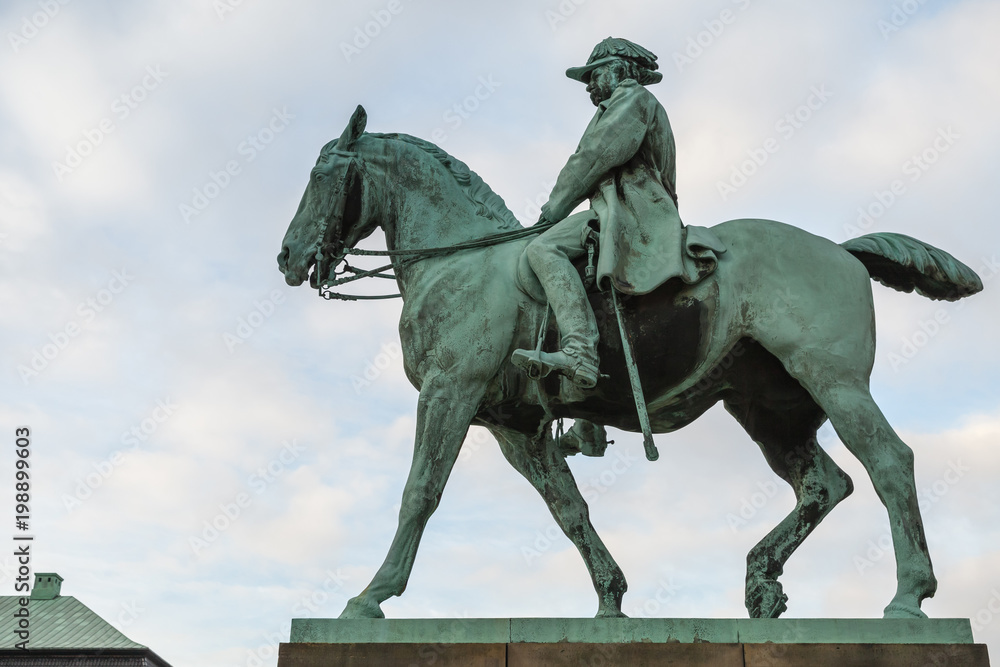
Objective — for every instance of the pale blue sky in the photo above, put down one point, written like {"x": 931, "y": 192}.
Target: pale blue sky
{"x": 188, "y": 283}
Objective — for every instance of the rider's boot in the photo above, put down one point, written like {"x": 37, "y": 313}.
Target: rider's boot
{"x": 578, "y": 359}
{"x": 538, "y": 364}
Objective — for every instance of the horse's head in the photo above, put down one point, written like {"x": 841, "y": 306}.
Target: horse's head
{"x": 332, "y": 215}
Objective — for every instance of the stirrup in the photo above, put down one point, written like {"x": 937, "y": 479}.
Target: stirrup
{"x": 539, "y": 364}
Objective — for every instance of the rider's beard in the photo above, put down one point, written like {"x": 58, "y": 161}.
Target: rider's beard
{"x": 603, "y": 91}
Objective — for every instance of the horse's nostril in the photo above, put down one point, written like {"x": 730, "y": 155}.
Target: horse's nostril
{"x": 283, "y": 257}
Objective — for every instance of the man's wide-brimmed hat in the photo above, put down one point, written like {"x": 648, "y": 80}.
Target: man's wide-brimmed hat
{"x": 612, "y": 49}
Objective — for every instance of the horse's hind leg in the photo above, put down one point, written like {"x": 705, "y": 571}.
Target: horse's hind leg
{"x": 538, "y": 459}
{"x": 889, "y": 461}
{"x": 822, "y": 329}
{"x": 788, "y": 441}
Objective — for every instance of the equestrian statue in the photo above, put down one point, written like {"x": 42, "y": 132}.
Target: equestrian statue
{"x": 618, "y": 315}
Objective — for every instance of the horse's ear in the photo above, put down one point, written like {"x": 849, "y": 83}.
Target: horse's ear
{"x": 355, "y": 128}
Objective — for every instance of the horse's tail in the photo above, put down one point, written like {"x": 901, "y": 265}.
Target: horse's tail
{"x": 906, "y": 264}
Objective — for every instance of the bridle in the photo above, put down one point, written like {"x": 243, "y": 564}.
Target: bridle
{"x": 336, "y": 221}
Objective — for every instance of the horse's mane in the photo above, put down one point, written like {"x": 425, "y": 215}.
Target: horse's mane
{"x": 488, "y": 203}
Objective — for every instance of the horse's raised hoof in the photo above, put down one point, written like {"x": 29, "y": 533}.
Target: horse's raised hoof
{"x": 899, "y": 610}
{"x": 766, "y": 599}
{"x": 361, "y": 607}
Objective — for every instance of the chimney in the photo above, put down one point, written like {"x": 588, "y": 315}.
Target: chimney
{"x": 47, "y": 586}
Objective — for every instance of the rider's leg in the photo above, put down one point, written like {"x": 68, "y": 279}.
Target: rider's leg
{"x": 551, "y": 257}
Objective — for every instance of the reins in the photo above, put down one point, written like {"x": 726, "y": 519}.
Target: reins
{"x": 326, "y": 292}
{"x": 409, "y": 255}
{"x": 484, "y": 242}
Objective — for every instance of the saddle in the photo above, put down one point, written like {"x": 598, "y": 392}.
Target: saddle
{"x": 698, "y": 259}
{"x": 702, "y": 248}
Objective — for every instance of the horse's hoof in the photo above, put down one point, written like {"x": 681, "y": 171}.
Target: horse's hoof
{"x": 775, "y": 607}
{"x": 766, "y": 599}
{"x": 899, "y": 610}
{"x": 610, "y": 613}
{"x": 361, "y": 607}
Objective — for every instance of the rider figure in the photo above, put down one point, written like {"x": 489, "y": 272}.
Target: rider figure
{"x": 625, "y": 166}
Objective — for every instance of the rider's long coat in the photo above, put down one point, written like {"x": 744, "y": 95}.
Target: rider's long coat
{"x": 625, "y": 164}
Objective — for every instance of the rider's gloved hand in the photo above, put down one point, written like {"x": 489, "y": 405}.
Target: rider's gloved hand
{"x": 546, "y": 215}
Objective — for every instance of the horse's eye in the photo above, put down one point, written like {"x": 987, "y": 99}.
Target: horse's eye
{"x": 320, "y": 176}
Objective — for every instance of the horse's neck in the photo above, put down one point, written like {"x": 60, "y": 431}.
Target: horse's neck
{"x": 422, "y": 222}
{"x": 431, "y": 210}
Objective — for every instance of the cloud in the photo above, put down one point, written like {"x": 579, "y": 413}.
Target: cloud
{"x": 329, "y": 376}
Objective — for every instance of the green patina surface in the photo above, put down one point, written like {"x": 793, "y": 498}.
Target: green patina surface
{"x": 855, "y": 631}
{"x": 631, "y": 630}
{"x": 400, "y": 631}
{"x": 775, "y": 322}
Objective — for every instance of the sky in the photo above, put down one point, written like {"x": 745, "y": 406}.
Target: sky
{"x": 152, "y": 155}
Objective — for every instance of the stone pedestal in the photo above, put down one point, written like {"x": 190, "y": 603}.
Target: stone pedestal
{"x": 531, "y": 642}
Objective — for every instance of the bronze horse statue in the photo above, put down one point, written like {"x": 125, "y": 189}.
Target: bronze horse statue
{"x": 783, "y": 332}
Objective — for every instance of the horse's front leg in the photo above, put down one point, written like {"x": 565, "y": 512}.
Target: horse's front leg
{"x": 443, "y": 417}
